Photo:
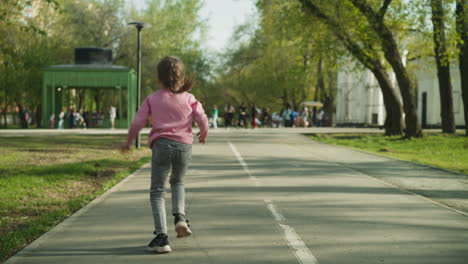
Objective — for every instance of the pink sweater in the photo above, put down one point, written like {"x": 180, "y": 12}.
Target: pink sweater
{"x": 171, "y": 117}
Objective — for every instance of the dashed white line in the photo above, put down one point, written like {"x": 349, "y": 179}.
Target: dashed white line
{"x": 298, "y": 247}
{"x": 242, "y": 162}
{"x": 278, "y": 217}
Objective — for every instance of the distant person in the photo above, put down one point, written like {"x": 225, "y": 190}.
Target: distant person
{"x": 172, "y": 110}
{"x": 61, "y": 118}
{"x": 71, "y": 117}
{"x": 276, "y": 120}
{"x": 86, "y": 117}
{"x": 52, "y": 121}
{"x": 266, "y": 118}
{"x": 320, "y": 117}
{"x": 294, "y": 117}
{"x": 287, "y": 116}
{"x": 79, "y": 120}
{"x": 302, "y": 120}
{"x": 254, "y": 114}
{"x": 228, "y": 115}
{"x": 26, "y": 118}
{"x": 112, "y": 116}
{"x": 242, "y": 116}
{"x": 215, "y": 116}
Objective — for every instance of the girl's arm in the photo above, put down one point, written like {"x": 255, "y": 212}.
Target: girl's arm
{"x": 138, "y": 123}
{"x": 200, "y": 118}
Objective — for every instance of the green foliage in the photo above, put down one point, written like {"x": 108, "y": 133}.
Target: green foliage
{"x": 171, "y": 29}
{"x": 276, "y": 63}
{"x": 56, "y": 27}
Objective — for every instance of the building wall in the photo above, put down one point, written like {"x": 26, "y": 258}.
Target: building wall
{"x": 359, "y": 98}
{"x": 427, "y": 82}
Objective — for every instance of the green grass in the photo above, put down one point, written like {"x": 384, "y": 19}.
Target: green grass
{"x": 44, "y": 179}
{"x": 439, "y": 150}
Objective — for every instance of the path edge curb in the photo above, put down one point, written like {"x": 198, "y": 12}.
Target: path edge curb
{"x": 389, "y": 157}
{"x": 69, "y": 220}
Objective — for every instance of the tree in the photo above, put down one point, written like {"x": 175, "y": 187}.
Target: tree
{"x": 462, "y": 30}
{"x": 278, "y": 62}
{"x": 393, "y": 56}
{"x": 369, "y": 57}
{"x": 57, "y": 27}
{"x": 443, "y": 67}
{"x": 170, "y": 30}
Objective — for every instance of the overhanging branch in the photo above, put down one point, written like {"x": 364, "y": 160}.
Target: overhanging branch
{"x": 384, "y": 8}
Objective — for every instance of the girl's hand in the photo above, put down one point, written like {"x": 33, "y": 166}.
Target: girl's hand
{"x": 125, "y": 147}
{"x": 201, "y": 138}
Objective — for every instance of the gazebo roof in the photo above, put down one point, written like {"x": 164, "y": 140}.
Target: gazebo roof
{"x": 88, "y": 67}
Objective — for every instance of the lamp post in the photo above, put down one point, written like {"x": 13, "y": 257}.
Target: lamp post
{"x": 139, "y": 26}
{"x": 6, "y": 93}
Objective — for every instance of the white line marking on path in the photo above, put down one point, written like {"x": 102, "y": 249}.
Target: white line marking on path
{"x": 278, "y": 217}
{"x": 242, "y": 162}
{"x": 299, "y": 248}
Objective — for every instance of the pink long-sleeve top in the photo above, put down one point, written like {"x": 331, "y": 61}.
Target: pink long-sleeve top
{"x": 171, "y": 117}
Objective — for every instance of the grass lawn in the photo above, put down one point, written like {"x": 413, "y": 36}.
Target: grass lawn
{"x": 439, "y": 150}
{"x": 44, "y": 179}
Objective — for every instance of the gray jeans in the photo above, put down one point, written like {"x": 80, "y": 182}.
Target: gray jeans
{"x": 174, "y": 157}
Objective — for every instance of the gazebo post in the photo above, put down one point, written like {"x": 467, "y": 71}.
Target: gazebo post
{"x": 120, "y": 106}
{"x": 53, "y": 102}
{"x": 44, "y": 100}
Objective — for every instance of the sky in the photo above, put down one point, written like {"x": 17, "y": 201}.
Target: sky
{"x": 223, "y": 16}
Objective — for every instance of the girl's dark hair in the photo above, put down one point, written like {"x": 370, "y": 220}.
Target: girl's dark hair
{"x": 171, "y": 73}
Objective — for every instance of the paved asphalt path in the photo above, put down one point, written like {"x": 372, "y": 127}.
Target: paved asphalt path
{"x": 266, "y": 198}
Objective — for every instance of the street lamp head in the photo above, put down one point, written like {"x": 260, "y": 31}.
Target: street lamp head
{"x": 138, "y": 25}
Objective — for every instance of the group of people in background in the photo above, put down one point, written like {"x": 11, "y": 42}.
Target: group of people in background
{"x": 240, "y": 117}
{"x": 252, "y": 116}
{"x": 82, "y": 119}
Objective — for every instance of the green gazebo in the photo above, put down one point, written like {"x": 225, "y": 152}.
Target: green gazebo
{"x": 60, "y": 80}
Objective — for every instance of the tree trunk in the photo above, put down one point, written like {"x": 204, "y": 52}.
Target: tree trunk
{"x": 393, "y": 57}
{"x": 4, "y": 116}
{"x": 393, "y": 121}
{"x": 38, "y": 116}
{"x": 413, "y": 128}
{"x": 81, "y": 97}
{"x": 306, "y": 83}
{"x": 320, "y": 83}
{"x": 462, "y": 29}
{"x": 97, "y": 99}
{"x": 285, "y": 97}
{"x": 443, "y": 68}
{"x": 330, "y": 99}
{"x": 328, "y": 103}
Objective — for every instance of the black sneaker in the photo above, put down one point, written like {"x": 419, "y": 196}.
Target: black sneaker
{"x": 159, "y": 244}
{"x": 182, "y": 227}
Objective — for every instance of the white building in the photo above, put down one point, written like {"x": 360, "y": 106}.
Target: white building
{"x": 429, "y": 96}
{"x": 359, "y": 100}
